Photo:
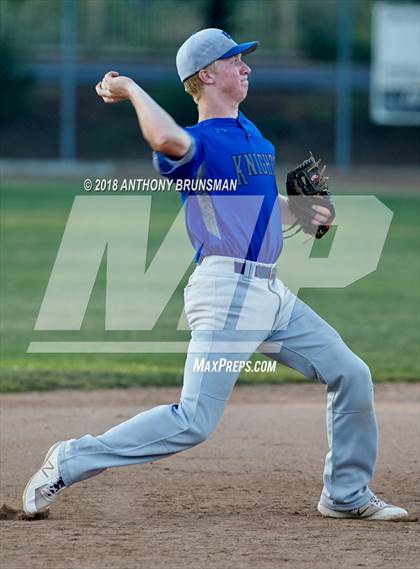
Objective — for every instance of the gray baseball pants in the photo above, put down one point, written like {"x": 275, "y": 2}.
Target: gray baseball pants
{"x": 231, "y": 316}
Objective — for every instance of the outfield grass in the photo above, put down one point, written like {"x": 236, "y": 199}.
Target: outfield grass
{"x": 378, "y": 316}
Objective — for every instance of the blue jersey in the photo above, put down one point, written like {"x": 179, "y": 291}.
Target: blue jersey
{"x": 234, "y": 211}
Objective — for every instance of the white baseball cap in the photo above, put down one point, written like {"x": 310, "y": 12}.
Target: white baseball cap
{"x": 206, "y": 46}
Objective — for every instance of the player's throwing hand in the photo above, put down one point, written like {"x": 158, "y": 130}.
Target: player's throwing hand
{"x": 114, "y": 88}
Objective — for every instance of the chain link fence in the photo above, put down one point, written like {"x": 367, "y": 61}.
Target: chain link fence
{"x": 287, "y": 29}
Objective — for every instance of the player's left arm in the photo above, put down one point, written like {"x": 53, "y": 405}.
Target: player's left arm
{"x": 322, "y": 215}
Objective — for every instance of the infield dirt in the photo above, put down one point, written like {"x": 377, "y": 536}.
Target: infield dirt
{"x": 245, "y": 498}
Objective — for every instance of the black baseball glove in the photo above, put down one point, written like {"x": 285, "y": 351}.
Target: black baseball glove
{"x": 307, "y": 186}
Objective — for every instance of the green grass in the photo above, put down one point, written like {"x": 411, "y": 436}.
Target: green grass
{"x": 378, "y": 316}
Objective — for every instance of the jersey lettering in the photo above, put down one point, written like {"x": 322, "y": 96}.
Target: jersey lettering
{"x": 253, "y": 164}
{"x": 239, "y": 173}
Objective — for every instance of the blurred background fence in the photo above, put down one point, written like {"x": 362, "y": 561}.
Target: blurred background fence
{"x": 130, "y": 29}
{"x": 310, "y": 79}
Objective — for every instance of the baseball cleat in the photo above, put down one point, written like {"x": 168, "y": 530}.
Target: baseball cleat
{"x": 45, "y": 485}
{"x": 375, "y": 509}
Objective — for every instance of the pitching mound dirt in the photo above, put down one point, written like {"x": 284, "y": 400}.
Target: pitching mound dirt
{"x": 245, "y": 498}
{"x": 9, "y": 513}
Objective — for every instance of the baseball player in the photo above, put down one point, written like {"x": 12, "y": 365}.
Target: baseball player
{"x": 234, "y": 303}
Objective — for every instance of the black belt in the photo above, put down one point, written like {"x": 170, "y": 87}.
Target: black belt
{"x": 260, "y": 271}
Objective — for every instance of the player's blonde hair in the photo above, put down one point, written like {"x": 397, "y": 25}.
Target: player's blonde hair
{"x": 194, "y": 86}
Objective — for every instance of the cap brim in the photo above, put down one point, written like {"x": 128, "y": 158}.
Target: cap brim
{"x": 242, "y": 48}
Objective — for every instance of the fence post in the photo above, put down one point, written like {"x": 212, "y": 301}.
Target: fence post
{"x": 68, "y": 80}
{"x": 343, "y": 111}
